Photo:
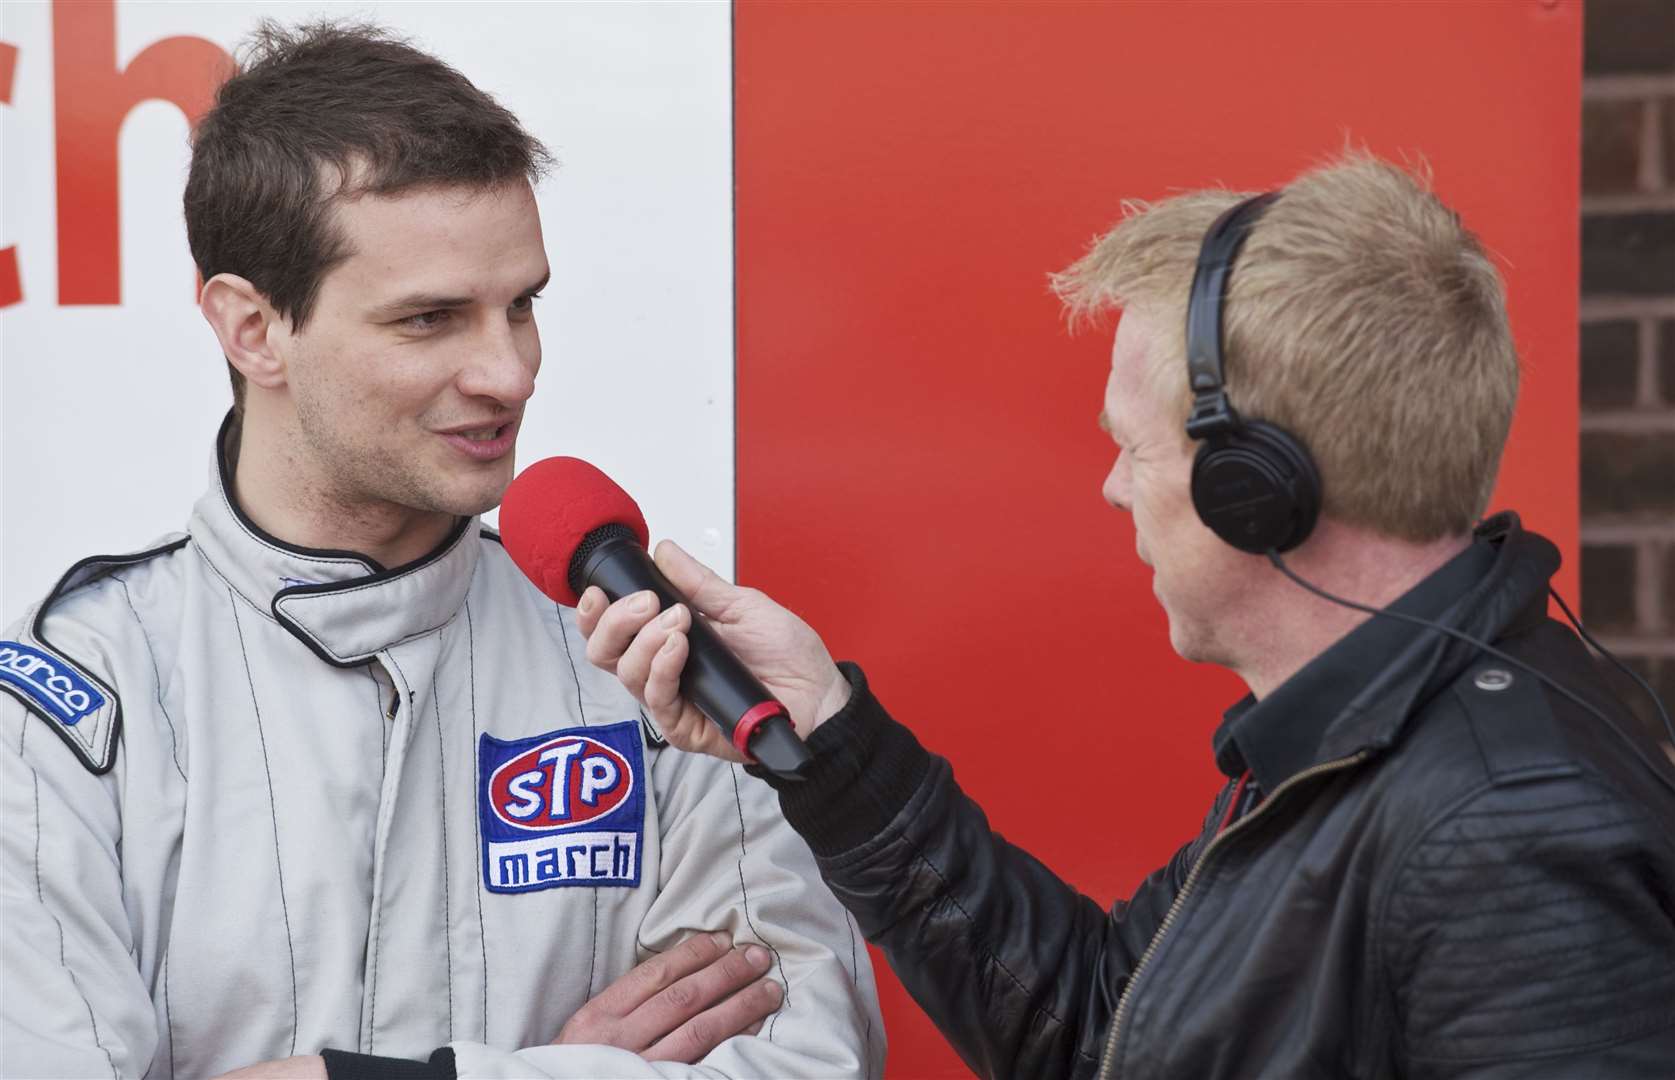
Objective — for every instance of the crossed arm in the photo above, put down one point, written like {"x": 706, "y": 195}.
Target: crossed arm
{"x": 677, "y": 1006}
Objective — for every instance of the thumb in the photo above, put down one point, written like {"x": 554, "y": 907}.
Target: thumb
{"x": 709, "y": 593}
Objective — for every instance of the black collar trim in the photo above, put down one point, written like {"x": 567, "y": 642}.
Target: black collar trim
{"x": 1356, "y": 695}
{"x": 328, "y": 587}
{"x": 262, "y": 535}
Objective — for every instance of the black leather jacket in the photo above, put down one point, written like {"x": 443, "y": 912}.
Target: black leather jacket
{"x": 1456, "y": 873}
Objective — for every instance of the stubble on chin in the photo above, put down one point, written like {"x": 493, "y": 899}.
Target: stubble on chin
{"x": 1195, "y": 640}
{"x": 429, "y": 492}
{"x": 475, "y": 491}
{"x": 361, "y": 471}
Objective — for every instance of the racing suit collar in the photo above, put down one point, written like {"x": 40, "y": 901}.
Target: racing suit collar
{"x": 343, "y": 605}
{"x": 1350, "y": 698}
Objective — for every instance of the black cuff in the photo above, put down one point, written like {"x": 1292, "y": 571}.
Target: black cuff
{"x": 865, "y": 769}
{"x": 342, "y": 1065}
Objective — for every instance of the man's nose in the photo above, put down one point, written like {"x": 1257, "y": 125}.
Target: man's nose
{"x": 499, "y": 367}
{"x": 1115, "y": 489}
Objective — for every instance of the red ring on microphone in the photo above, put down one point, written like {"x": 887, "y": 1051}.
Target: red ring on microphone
{"x": 755, "y": 717}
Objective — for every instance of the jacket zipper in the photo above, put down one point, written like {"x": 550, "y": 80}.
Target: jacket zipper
{"x": 1107, "y": 1060}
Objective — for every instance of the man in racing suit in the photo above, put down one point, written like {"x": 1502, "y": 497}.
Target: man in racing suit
{"x": 327, "y": 775}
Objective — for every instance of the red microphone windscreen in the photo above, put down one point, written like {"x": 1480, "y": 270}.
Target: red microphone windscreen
{"x": 548, "y": 510}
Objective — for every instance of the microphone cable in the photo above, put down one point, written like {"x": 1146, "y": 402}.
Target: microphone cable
{"x": 1557, "y": 687}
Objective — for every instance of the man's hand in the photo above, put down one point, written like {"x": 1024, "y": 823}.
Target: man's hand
{"x": 307, "y": 1067}
{"x": 647, "y": 651}
{"x": 682, "y": 1004}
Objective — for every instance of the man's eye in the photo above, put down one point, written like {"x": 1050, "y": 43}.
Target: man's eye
{"x": 426, "y": 320}
{"x": 525, "y": 305}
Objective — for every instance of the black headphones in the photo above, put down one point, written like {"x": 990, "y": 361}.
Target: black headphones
{"x": 1253, "y": 483}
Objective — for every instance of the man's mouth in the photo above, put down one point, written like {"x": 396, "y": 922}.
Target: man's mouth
{"x": 483, "y": 443}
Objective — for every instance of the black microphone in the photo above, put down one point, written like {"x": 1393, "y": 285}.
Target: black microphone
{"x": 568, "y": 526}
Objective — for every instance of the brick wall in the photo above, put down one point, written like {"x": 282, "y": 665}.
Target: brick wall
{"x": 1628, "y": 335}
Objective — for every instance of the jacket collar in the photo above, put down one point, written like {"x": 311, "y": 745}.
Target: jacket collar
{"x": 1358, "y": 694}
{"x": 341, "y": 604}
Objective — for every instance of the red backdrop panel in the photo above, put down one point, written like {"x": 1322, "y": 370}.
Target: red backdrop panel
{"x": 919, "y": 465}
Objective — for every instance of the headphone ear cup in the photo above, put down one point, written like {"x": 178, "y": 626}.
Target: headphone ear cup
{"x": 1257, "y": 488}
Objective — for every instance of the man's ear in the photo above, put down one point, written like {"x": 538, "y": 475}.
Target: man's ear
{"x": 247, "y": 327}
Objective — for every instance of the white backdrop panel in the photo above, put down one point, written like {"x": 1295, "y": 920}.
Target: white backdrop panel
{"x": 106, "y": 413}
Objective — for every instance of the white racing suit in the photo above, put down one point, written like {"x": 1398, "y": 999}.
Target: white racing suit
{"x": 260, "y": 801}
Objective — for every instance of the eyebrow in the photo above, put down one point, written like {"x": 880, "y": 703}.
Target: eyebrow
{"x": 1105, "y": 421}
{"x": 416, "y": 302}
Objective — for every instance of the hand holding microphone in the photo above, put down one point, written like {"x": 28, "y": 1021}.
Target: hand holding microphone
{"x": 649, "y": 650}
{"x": 753, "y": 668}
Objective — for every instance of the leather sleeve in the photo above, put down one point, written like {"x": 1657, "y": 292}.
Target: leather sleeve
{"x": 1531, "y": 933}
{"x": 1018, "y": 970}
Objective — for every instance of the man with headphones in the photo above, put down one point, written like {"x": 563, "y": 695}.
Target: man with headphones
{"x": 1444, "y": 849}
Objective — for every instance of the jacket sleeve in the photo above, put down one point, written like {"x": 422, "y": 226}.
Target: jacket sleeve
{"x": 1018, "y": 970}
{"x": 75, "y": 1003}
{"x": 730, "y": 862}
{"x": 1531, "y": 933}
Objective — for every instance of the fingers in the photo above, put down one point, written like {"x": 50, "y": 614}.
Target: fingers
{"x": 658, "y": 687}
{"x": 647, "y": 652}
{"x": 710, "y": 593}
{"x": 680, "y": 1005}
{"x": 664, "y": 666}
{"x": 682, "y": 724}
{"x": 589, "y": 606}
{"x": 646, "y": 979}
{"x": 696, "y": 1013}
{"x": 741, "y": 1014}
{"x": 614, "y": 628}
{"x": 634, "y": 666}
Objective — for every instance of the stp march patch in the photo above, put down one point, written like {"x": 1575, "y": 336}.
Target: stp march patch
{"x": 564, "y": 808}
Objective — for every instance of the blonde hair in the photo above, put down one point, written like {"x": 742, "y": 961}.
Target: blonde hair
{"x": 1361, "y": 316}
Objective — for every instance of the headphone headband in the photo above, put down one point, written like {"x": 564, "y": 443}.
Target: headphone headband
{"x": 1253, "y": 483}
{"x": 1212, "y": 413}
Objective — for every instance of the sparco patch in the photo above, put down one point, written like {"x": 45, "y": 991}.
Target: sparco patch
{"x": 51, "y": 684}
{"x": 564, "y": 808}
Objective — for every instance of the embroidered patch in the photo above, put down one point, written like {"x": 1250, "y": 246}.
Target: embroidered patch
{"x": 49, "y": 682}
{"x": 564, "y": 808}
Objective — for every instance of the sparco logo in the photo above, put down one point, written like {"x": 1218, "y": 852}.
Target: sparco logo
{"x": 38, "y": 675}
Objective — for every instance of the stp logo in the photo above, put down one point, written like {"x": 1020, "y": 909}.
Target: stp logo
{"x": 565, "y": 781}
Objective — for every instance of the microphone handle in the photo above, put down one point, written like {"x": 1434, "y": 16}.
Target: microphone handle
{"x": 714, "y": 679}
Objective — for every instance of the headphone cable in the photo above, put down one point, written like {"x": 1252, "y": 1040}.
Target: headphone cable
{"x": 1279, "y": 564}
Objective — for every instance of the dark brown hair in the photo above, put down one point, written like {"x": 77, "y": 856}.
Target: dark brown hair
{"x": 329, "y": 110}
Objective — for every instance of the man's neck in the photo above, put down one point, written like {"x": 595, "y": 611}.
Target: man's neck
{"x": 1296, "y": 626}
{"x": 273, "y": 492}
